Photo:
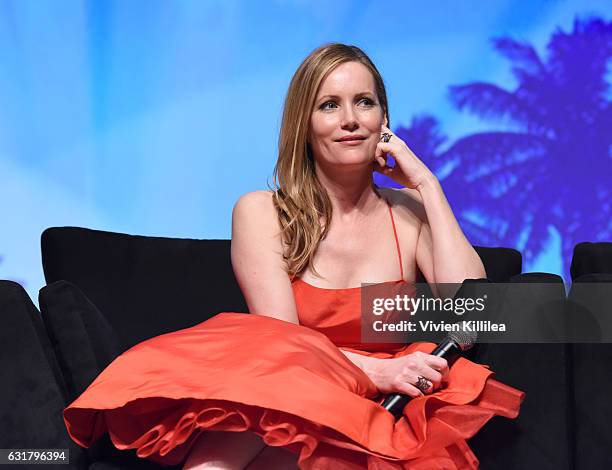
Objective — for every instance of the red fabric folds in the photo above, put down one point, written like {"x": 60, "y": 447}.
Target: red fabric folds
{"x": 289, "y": 384}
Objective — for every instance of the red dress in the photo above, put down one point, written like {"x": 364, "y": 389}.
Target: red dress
{"x": 291, "y": 385}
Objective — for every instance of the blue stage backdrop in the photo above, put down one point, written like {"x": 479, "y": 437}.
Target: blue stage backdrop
{"x": 153, "y": 117}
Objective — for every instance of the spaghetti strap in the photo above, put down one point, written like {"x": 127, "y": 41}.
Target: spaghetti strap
{"x": 399, "y": 252}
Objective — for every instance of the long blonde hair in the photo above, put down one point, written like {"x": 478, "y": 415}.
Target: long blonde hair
{"x": 303, "y": 205}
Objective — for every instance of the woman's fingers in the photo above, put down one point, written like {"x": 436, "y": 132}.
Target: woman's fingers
{"x": 382, "y": 163}
{"x": 424, "y": 371}
{"x": 438, "y": 363}
{"x": 425, "y": 385}
{"x": 379, "y": 157}
{"x": 432, "y": 375}
{"x": 410, "y": 390}
{"x": 420, "y": 374}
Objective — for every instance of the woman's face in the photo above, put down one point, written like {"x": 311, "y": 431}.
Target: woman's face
{"x": 346, "y": 106}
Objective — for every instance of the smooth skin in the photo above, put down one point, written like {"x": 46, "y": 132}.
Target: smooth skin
{"x": 360, "y": 246}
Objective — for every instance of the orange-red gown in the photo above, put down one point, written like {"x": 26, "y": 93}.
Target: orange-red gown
{"x": 291, "y": 385}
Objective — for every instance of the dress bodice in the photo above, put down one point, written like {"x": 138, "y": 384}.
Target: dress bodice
{"x": 337, "y": 312}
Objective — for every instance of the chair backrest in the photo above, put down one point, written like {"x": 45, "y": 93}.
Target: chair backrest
{"x": 33, "y": 392}
{"x": 144, "y": 286}
{"x": 589, "y": 299}
{"x": 591, "y": 258}
{"x": 500, "y": 263}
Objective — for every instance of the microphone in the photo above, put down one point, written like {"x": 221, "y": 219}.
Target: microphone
{"x": 450, "y": 349}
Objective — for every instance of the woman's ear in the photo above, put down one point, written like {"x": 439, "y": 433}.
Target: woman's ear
{"x": 386, "y": 121}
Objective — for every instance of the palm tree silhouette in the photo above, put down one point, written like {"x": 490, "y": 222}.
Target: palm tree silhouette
{"x": 554, "y": 168}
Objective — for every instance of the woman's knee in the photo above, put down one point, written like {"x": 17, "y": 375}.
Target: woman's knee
{"x": 223, "y": 450}
{"x": 274, "y": 458}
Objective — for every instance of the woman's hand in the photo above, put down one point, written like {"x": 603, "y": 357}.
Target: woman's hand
{"x": 408, "y": 171}
{"x": 403, "y": 374}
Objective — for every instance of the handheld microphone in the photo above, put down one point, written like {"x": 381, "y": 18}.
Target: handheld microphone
{"x": 450, "y": 349}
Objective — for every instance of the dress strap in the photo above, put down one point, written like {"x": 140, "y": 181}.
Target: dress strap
{"x": 399, "y": 252}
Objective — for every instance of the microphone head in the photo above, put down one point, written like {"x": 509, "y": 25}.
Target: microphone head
{"x": 465, "y": 337}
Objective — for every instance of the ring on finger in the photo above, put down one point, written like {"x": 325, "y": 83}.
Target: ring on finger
{"x": 385, "y": 137}
{"x": 423, "y": 384}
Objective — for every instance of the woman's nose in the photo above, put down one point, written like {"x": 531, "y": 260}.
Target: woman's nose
{"x": 349, "y": 119}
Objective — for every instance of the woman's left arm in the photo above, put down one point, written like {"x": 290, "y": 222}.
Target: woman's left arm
{"x": 443, "y": 253}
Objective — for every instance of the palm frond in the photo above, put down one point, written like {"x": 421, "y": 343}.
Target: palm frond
{"x": 579, "y": 58}
{"x": 521, "y": 54}
{"x": 423, "y": 136}
{"x": 495, "y": 147}
{"x": 488, "y": 101}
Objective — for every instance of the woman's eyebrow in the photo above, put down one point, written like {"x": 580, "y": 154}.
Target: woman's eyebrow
{"x": 363, "y": 93}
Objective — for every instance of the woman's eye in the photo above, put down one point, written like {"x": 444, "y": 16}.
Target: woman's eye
{"x": 367, "y": 101}
{"x": 331, "y": 104}
{"x": 324, "y": 105}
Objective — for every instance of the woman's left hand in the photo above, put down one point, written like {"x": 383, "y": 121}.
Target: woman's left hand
{"x": 408, "y": 171}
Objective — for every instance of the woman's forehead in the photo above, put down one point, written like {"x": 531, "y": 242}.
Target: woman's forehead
{"x": 347, "y": 78}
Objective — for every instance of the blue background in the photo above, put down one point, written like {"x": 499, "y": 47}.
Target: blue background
{"x": 153, "y": 117}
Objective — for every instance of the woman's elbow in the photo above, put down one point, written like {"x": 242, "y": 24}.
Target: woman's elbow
{"x": 476, "y": 269}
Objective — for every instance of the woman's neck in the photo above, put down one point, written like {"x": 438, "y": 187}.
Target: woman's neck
{"x": 352, "y": 193}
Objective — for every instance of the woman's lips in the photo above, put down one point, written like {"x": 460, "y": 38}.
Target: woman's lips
{"x": 352, "y": 143}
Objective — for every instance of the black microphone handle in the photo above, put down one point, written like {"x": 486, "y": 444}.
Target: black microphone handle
{"x": 447, "y": 349}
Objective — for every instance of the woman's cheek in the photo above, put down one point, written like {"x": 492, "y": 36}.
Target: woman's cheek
{"x": 371, "y": 150}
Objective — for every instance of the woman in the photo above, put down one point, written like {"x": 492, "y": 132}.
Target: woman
{"x": 292, "y": 384}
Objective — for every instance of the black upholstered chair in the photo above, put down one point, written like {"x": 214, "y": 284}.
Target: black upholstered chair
{"x": 33, "y": 392}
{"x": 590, "y": 298}
{"x": 540, "y": 436}
{"x": 108, "y": 291}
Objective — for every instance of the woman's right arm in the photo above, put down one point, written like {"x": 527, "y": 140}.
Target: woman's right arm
{"x": 257, "y": 257}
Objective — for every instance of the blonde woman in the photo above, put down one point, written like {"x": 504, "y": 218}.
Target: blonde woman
{"x": 292, "y": 385}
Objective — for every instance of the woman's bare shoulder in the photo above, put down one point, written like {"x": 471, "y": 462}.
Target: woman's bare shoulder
{"x": 408, "y": 200}
{"x": 256, "y": 210}
{"x": 259, "y": 196}
{"x": 259, "y": 202}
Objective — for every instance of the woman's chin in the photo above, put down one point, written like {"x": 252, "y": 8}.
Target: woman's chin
{"x": 355, "y": 158}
